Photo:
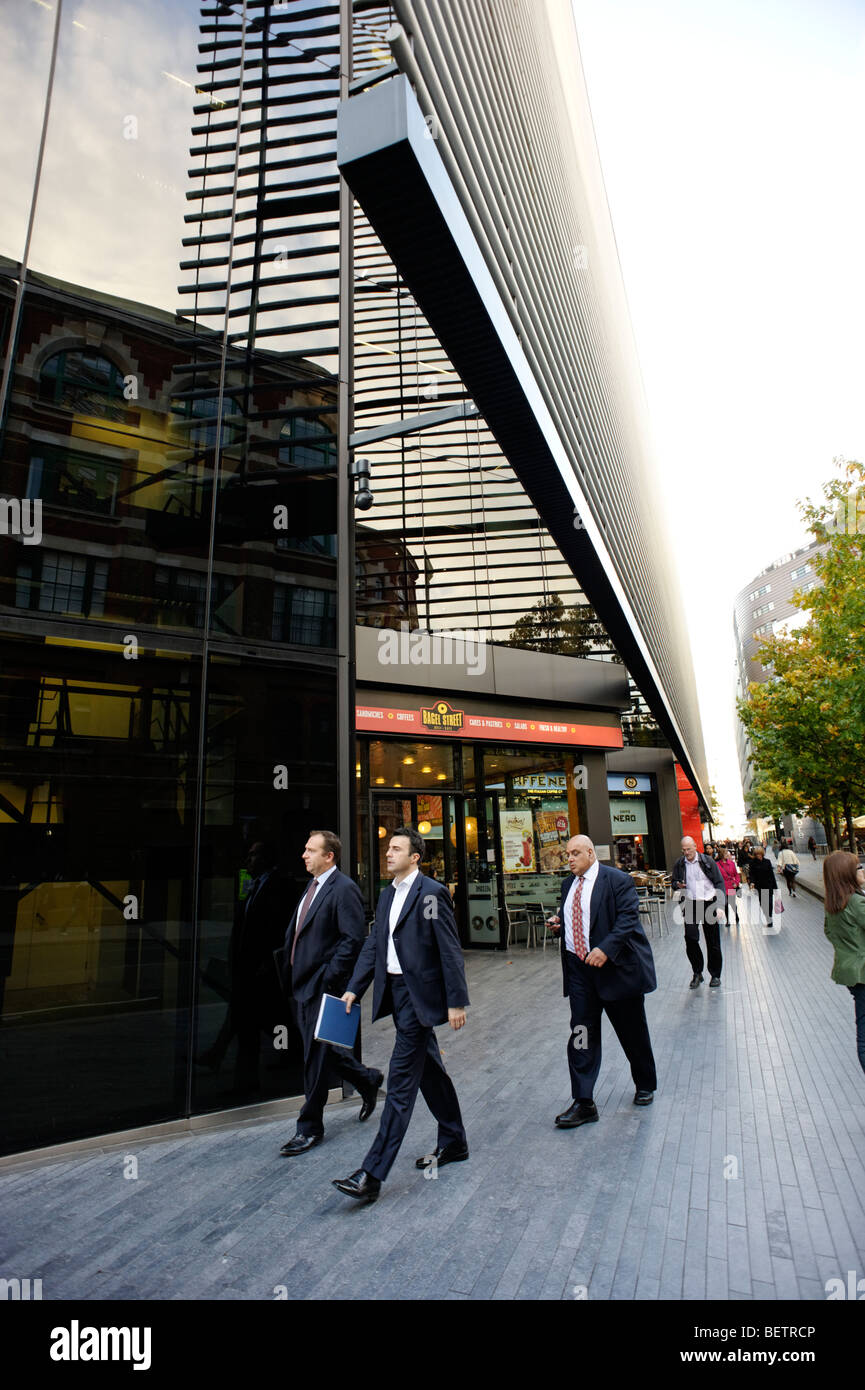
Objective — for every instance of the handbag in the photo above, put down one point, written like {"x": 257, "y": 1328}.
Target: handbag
{"x": 779, "y": 906}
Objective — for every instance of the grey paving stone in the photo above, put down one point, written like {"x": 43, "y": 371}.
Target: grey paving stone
{"x": 637, "y": 1206}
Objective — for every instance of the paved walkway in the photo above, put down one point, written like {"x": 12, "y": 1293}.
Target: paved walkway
{"x": 745, "y": 1179}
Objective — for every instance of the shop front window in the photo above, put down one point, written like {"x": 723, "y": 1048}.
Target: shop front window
{"x": 393, "y": 763}
{"x": 539, "y": 803}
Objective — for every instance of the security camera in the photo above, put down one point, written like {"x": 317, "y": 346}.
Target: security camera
{"x": 363, "y": 498}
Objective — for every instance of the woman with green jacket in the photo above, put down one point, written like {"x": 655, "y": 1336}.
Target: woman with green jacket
{"x": 845, "y": 928}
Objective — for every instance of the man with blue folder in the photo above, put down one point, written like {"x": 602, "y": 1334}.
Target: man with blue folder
{"x": 413, "y": 959}
{"x": 321, "y": 946}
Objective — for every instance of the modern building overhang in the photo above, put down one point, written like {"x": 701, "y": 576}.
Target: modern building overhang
{"x": 388, "y": 156}
{"x": 385, "y": 657}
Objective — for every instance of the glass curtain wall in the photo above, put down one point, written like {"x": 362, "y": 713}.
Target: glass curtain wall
{"x": 169, "y": 313}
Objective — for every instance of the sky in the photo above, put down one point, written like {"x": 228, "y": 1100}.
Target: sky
{"x": 731, "y": 140}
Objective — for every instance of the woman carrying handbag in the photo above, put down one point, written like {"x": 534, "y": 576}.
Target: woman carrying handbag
{"x": 730, "y": 875}
{"x": 763, "y": 880}
{"x": 788, "y": 863}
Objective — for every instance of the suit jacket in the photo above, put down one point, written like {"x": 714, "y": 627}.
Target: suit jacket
{"x": 710, "y": 869}
{"x": 428, "y": 946}
{"x": 615, "y": 929}
{"x": 330, "y": 939}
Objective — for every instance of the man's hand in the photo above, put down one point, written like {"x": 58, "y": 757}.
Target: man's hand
{"x": 348, "y": 1000}
{"x": 456, "y": 1018}
{"x": 596, "y": 957}
{"x": 555, "y": 924}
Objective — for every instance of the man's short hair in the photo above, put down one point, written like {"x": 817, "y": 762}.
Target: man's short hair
{"x": 332, "y": 843}
{"x": 414, "y": 837}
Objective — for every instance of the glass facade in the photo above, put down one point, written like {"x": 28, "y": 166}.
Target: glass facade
{"x": 168, "y": 684}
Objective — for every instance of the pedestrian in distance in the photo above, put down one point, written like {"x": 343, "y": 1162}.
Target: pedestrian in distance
{"x": 763, "y": 881}
{"x": 730, "y": 875}
{"x": 607, "y": 967}
{"x": 412, "y": 958}
{"x": 743, "y": 860}
{"x": 812, "y": 845}
{"x": 322, "y": 943}
{"x": 788, "y": 863}
{"x": 844, "y": 925}
{"x": 701, "y": 895}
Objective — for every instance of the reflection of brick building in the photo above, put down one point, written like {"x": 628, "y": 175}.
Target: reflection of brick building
{"x": 105, "y": 428}
{"x": 386, "y": 576}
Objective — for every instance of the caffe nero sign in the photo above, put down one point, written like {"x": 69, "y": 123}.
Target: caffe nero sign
{"x": 628, "y": 816}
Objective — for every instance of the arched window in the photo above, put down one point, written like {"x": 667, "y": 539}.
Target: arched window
{"x": 307, "y": 445}
{"x": 83, "y": 381}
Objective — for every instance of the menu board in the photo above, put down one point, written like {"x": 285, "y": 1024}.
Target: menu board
{"x": 518, "y": 842}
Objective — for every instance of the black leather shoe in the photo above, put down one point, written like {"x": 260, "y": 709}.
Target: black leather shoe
{"x": 644, "y": 1097}
{"x": 370, "y": 1096}
{"x": 714, "y": 982}
{"x": 300, "y": 1144}
{"x": 582, "y": 1112}
{"x": 361, "y": 1185}
{"x": 451, "y": 1153}
{"x": 697, "y": 980}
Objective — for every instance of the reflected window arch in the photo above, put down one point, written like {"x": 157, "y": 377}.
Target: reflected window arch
{"x": 83, "y": 380}
{"x": 308, "y": 445}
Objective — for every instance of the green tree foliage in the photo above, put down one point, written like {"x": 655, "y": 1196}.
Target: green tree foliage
{"x": 807, "y": 722}
{"x": 550, "y": 627}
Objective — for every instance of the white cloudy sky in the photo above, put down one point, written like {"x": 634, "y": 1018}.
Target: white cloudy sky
{"x": 731, "y": 138}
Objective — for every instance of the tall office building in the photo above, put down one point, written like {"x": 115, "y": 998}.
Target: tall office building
{"x": 261, "y": 260}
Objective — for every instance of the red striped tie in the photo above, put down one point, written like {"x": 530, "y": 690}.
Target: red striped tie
{"x": 577, "y": 921}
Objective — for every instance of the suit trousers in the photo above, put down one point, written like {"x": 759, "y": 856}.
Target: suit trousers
{"x": 320, "y": 1063}
{"x": 415, "y": 1065}
{"x": 699, "y": 914}
{"x": 628, "y": 1017}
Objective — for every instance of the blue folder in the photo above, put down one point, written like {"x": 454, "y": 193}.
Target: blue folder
{"x": 334, "y": 1025}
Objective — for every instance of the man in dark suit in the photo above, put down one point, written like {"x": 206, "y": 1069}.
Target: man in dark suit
{"x": 413, "y": 955}
{"x": 322, "y": 943}
{"x": 702, "y": 896}
{"x": 608, "y": 968}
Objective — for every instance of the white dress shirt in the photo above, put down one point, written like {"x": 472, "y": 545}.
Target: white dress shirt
{"x": 697, "y": 885}
{"x": 318, "y": 882}
{"x": 400, "y": 893}
{"x": 588, "y": 884}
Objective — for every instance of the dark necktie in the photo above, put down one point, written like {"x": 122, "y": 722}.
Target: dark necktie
{"x": 301, "y": 915}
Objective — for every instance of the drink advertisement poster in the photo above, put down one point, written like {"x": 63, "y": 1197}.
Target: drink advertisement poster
{"x": 518, "y": 842}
